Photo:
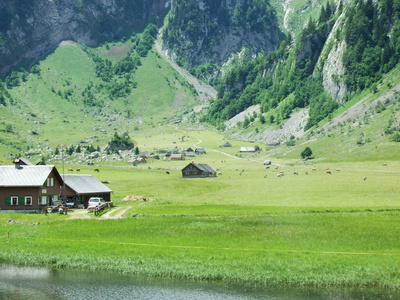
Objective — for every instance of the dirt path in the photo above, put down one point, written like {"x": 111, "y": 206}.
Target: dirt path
{"x": 84, "y": 214}
{"x": 120, "y": 215}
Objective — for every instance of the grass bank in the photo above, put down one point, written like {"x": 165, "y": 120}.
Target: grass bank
{"x": 300, "y": 248}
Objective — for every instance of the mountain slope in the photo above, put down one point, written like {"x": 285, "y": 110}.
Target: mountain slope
{"x": 31, "y": 28}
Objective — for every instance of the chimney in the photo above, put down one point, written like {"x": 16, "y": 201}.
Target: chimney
{"x": 17, "y": 163}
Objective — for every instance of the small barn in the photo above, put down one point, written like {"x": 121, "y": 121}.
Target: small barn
{"x": 28, "y": 188}
{"x": 79, "y": 188}
{"x": 227, "y": 144}
{"x": 190, "y": 154}
{"x": 193, "y": 170}
{"x": 273, "y": 143}
{"x": 249, "y": 149}
{"x": 176, "y": 157}
{"x": 200, "y": 150}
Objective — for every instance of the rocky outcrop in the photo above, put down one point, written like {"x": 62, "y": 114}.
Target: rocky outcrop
{"x": 29, "y": 29}
{"x": 332, "y": 68}
{"x": 200, "y": 31}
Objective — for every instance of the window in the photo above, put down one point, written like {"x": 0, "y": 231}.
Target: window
{"x": 44, "y": 200}
{"x": 28, "y": 200}
{"x": 14, "y": 200}
{"x": 50, "y": 182}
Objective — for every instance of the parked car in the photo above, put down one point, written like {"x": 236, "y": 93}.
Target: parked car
{"x": 94, "y": 202}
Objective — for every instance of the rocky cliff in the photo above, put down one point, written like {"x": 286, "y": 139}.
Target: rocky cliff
{"x": 200, "y": 31}
{"x": 31, "y": 28}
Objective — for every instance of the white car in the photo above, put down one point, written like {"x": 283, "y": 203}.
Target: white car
{"x": 95, "y": 201}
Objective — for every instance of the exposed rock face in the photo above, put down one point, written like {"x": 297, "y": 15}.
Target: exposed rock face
{"x": 333, "y": 72}
{"x": 333, "y": 69}
{"x": 31, "y": 28}
{"x": 200, "y": 31}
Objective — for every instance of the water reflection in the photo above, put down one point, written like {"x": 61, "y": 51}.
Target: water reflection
{"x": 37, "y": 283}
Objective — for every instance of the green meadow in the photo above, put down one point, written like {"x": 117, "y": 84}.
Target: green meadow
{"x": 245, "y": 226}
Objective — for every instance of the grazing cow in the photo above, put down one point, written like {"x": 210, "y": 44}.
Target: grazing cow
{"x": 295, "y": 173}
{"x": 96, "y": 170}
{"x": 167, "y": 173}
{"x": 306, "y": 173}
{"x": 279, "y": 175}
{"x": 328, "y": 172}
{"x": 365, "y": 178}
{"x": 219, "y": 173}
{"x": 265, "y": 176}
{"x": 70, "y": 170}
{"x": 314, "y": 169}
{"x": 337, "y": 170}
{"x": 267, "y": 168}
{"x": 78, "y": 170}
{"x": 385, "y": 164}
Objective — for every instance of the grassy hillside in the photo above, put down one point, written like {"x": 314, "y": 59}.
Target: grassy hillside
{"x": 51, "y": 108}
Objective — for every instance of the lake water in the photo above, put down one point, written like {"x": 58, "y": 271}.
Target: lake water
{"x": 38, "y": 283}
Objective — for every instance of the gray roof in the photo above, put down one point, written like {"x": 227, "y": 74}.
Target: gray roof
{"x": 25, "y": 161}
{"x": 85, "y": 184}
{"x": 34, "y": 176}
{"x": 205, "y": 167}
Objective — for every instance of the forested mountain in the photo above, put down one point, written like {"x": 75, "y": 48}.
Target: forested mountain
{"x": 346, "y": 50}
{"x": 342, "y": 50}
{"x": 209, "y": 32}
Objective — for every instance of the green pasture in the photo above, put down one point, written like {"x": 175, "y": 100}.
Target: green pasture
{"x": 319, "y": 249}
{"x": 246, "y": 225}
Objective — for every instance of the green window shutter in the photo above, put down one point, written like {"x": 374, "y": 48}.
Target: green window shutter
{"x": 21, "y": 200}
{"x": 8, "y": 200}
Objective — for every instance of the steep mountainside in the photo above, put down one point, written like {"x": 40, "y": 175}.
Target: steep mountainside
{"x": 344, "y": 52}
{"x": 31, "y": 28}
{"x": 268, "y": 89}
{"x": 200, "y": 32}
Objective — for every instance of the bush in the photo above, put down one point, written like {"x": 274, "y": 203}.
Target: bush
{"x": 306, "y": 153}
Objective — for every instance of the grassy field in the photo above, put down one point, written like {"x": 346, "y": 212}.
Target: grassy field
{"x": 246, "y": 226}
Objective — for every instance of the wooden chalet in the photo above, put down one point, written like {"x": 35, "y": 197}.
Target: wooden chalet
{"x": 193, "y": 170}
{"x": 79, "y": 188}
{"x": 29, "y": 188}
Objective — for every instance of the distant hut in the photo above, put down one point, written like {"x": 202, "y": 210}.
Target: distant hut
{"x": 227, "y": 144}
{"x": 200, "y": 150}
{"x": 273, "y": 143}
{"x": 249, "y": 149}
{"x": 176, "y": 157}
{"x": 193, "y": 170}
